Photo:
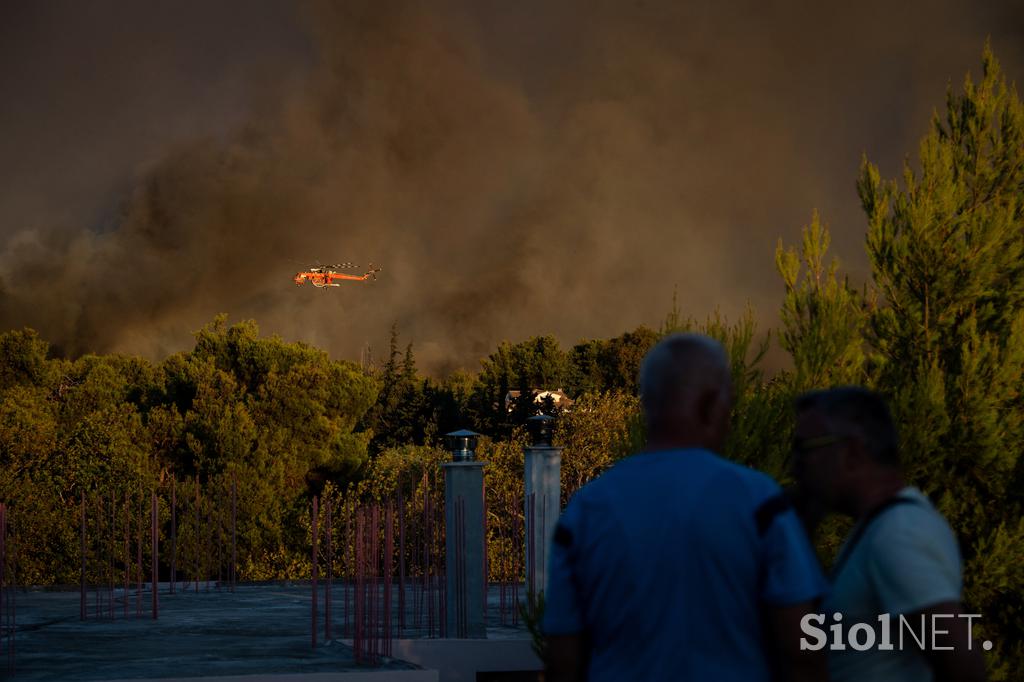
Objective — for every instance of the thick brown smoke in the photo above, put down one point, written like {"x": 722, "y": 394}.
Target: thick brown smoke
{"x": 517, "y": 168}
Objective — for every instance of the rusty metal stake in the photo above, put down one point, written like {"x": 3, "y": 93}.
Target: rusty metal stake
{"x": 82, "y": 608}
{"x": 174, "y": 533}
{"x": 328, "y": 526}
{"x": 155, "y": 558}
{"x": 234, "y": 519}
{"x": 138, "y": 568}
{"x": 314, "y": 576}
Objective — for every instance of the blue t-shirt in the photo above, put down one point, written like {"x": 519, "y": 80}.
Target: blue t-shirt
{"x": 663, "y": 563}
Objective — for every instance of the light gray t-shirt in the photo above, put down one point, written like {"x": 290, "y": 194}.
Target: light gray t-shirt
{"x": 906, "y": 560}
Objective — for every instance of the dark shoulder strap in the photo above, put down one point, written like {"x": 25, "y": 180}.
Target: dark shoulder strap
{"x": 862, "y": 527}
{"x": 765, "y": 514}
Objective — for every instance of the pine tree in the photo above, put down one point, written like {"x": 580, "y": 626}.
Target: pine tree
{"x": 822, "y": 315}
{"x": 947, "y": 255}
{"x": 381, "y": 418}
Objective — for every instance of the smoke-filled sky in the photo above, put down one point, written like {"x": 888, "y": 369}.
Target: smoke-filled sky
{"x": 517, "y": 168}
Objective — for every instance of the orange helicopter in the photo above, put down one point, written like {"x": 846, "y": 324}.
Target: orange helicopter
{"x": 323, "y": 276}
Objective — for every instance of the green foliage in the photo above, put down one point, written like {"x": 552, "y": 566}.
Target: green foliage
{"x": 822, "y": 317}
{"x": 392, "y": 417}
{"x": 23, "y": 360}
{"x": 532, "y": 613}
{"x": 947, "y": 248}
{"x": 503, "y": 481}
{"x": 598, "y": 365}
{"x": 993, "y": 580}
{"x": 412, "y": 410}
{"x": 533, "y": 365}
{"x": 593, "y": 435}
{"x": 947, "y": 254}
{"x": 278, "y": 418}
{"x": 407, "y": 463}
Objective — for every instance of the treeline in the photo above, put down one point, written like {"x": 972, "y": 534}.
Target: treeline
{"x": 939, "y": 329}
{"x": 282, "y": 420}
{"x": 504, "y": 392}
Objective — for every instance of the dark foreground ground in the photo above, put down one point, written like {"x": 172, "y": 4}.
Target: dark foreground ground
{"x": 257, "y": 629}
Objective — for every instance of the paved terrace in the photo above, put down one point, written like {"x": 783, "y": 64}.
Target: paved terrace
{"x": 259, "y": 629}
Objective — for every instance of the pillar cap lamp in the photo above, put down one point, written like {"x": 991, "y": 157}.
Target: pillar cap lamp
{"x": 462, "y": 445}
{"x": 542, "y": 430}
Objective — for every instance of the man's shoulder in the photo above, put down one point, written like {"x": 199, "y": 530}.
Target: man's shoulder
{"x": 914, "y": 539}
{"x": 748, "y": 474}
{"x": 758, "y": 485}
{"x": 912, "y": 558}
{"x": 914, "y": 520}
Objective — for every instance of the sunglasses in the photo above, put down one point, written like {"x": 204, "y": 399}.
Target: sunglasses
{"x": 803, "y": 446}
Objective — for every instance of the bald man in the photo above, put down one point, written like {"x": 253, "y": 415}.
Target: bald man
{"x": 676, "y": 564}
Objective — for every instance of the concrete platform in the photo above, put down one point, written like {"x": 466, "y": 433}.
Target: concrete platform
{"x": 462, "y": 660}
{"x": 257, "y": 630}
{"x": 260, "y": 633}
{"x": 376, "y": 676}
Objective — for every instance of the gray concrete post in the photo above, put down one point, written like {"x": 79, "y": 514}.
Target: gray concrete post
{"x": 464, "y": 539}
{"x": 542, "y": 483}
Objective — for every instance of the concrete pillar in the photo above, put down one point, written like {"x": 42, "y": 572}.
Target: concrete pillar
{"x": 542, "y": 482}
{"x": 464, "y": 539}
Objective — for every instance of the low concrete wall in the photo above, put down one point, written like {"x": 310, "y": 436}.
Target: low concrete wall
{"x": 459, "y": 660}
{"x": 378, "y": 676}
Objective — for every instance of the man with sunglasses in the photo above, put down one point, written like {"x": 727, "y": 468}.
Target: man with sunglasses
{"x": 900, "y": 564}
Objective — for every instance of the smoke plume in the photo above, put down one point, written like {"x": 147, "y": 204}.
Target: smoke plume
{"x": 516, "y": 168}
